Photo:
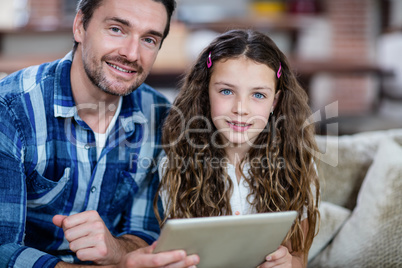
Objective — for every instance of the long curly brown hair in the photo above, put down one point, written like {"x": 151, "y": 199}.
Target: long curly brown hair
{"x": 283, "y": 181}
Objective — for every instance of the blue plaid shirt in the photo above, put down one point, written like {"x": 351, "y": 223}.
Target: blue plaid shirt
{"x": 49, "y": 166}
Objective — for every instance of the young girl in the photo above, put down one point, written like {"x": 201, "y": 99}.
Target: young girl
{"x": 237, "y": 141}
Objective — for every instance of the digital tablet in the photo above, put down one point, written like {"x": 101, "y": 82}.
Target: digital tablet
{"x": 227, "y": 241}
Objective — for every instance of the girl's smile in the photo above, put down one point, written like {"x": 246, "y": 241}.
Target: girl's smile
{"x": 239, "y": 126}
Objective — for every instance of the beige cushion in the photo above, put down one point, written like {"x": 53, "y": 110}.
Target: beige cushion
{"x": 332, "y": 219}
{"x": 345, "y": 162}
{"x": 372, "y": 236}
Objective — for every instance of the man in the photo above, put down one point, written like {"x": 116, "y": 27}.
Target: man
{"x": 79, "y": 139}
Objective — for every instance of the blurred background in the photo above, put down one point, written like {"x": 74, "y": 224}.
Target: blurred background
{"x": 347, "y": 54}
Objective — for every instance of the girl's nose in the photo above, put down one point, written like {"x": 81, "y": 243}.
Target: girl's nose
{"x": 241, "y": 106}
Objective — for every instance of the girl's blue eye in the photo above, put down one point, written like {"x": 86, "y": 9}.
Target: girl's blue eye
{"x": 226, "y": 92}
{"x": 259, "y": 95}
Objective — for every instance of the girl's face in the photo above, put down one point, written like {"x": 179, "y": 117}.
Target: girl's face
{"x": 242, "y": 96}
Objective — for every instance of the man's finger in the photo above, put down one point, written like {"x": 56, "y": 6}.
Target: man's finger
{"x": 89, "y": 254}
{"x": 81, "y": 231}
{"x": 58, "y": 220}
{"x": 140, "y": 258}
{"x": 83, "y": 243}
{"x": 152, "y": 246}
{"x": 80, "y": 218}
{"x": 189, "y": 261}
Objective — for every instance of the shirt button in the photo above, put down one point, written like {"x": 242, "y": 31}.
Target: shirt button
{"x": 87, "y": 146}
{"x": 93, "y": 189}
{"x": 237, "y": 212}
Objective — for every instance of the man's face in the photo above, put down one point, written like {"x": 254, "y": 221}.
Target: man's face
{"x": 120, "y": 44}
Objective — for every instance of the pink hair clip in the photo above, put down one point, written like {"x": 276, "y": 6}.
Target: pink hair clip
{"x": 209, "y": 61}
{"x": 279, "y": 73}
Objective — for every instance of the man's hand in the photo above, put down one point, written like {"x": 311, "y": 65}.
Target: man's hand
{"x": 143, "y": 258}
{"x": 89, "y": 238}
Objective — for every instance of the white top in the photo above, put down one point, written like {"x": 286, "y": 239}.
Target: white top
{"x": 238, "y": 200}
{"x": 101, "y": 138}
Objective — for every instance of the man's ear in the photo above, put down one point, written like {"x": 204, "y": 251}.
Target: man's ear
{"x": 276, "y": 98}
{"x": 78, "y": 27}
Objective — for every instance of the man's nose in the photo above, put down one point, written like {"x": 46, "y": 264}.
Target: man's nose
{"x": 130, "y": 49}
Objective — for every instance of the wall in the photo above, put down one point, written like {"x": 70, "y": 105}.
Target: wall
{"x": 347, "y": 31}
{"x": 354, "y": 26}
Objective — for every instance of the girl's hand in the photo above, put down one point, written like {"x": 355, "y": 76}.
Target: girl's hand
{"x": 281, "y": 258}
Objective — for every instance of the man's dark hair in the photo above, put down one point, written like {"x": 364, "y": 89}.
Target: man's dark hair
{"x": 88, "y": 7}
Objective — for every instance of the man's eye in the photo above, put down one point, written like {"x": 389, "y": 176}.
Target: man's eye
{"x": 226, "y": 92}
{"x": 115, "y": 30}
{"x": 150, "y": 41}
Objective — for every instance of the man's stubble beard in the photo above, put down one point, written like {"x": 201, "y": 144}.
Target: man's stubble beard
{"x": 98, "y": 78}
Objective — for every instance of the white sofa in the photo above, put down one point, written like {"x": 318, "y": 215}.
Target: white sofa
{"x": 361, "y": 207}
